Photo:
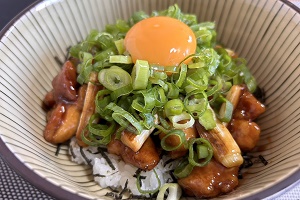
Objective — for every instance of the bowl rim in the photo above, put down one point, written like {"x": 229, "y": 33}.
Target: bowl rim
{"x": 57, "y": 192}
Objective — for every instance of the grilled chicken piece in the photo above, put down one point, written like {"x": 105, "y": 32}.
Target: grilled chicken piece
{"x": 248, "y": 108}
{"x": 64, "y": 84}
{"x": 146, "y": 158}
{"x": 62, "y": 123}
{"x": 245, "y": 133}
{"x": 63, "y": 119}
{"x": 210, "y": 180}
{"x": 65, "y": 103}
{"x": 49, "y": 100}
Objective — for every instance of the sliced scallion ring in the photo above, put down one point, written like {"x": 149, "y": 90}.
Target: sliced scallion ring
{"x": 195, "y": 155}
{"x": 173, "y": 107}
{"x": 226, "y": 111}
{"x": 182, "y": 75}
{"x": 207, "y": 119}
{"x": 120, "y": 59}
{"x": 183, "y": 169}
{"x": 173, "y": 133}
{"x": 140, "y": 75}
{"x": 114, "y": 78}
{"x": 138, "y": 184}
{"x": 120, "y": 46}
{"x": 175, "y": 192}
{"x": 189, "y": 120}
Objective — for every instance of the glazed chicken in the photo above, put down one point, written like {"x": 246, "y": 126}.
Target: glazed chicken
{"x": 210, "y": 181}
{"x": 242, "y": 126}
{"x": 65, "y": 102}
{"x": 146, "y": 158}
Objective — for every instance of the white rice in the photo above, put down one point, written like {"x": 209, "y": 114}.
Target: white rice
{"x": 116, "y": 178}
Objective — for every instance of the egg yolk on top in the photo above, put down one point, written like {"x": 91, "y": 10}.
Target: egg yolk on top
{"x": 160, "y": 40}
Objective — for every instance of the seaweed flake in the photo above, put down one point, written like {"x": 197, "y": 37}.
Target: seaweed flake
{"x": 168, "y": 161}
{"x": 106, "y": 158}
{"x": 260, "y": 94}
{"x": 58, "y": 61}
{"x": 166, "y": 194}
{"x": 172, "y": 176}
{"x": 116, "y": 194}
{"x": 135, "y": 197}
{"x": 124, "y": 189}
{"x": 68, "y": 53}
{"x": 99, "y": 175}
{"x": 250, "y": 160}
{"x": 137, "y": 173}
{"x": 247, "y": 163}
{"x": 113, "y": 189}
{"x": 112, "y": 194}
{"x": 263, "y": 160}
{"x": 84, "y": 156}
{"x": 58, "y": 147}
{"x": 138, "y": 176}
{"x": 240, "y": 175}
{"x": 72, "y": 151}
{"x": 97, "y": 152}
{"x": 90, "y": 151}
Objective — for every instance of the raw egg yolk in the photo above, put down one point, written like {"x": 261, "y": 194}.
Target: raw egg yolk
{"x": 163, "y": 41}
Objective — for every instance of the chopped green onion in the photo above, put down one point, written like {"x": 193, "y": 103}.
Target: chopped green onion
{"x": 85, "y": 67}
{"x": 160, "y": 97}
{"x": 196, "y": 103}
{"x": 145, "y": 101}
{"x": 164, "y": 123}
{"x": 140, "y": 75}
{"x": 207, "y": 119}
{"x": 103, "y": 55}
{"x": 196, "y": 65}
{"x": 202, "y": 151}
{"x": 173, "y": 91}
{"x": 217, "y": 86}
{"x": 138, "y": 184}
{"x": 182, "y": 75}
{"x": 158, "y": 75}
{"x": 194, "y": 158}
{"x": 197, "y": 80}
{"x": 114, "y": 78}
{"x": 125, "y": 119}
{"x": 175, "y": 192}
{"x": 177, "y": 133}
{"x": 102, "y": 130}
{"x": 226, "y": 111}
{"x": 120, "y": 59}
{"x": 120, "y": 46}
{"x": 121, "y": 91}
{"x": 138, "y": 16}
{"x": 183, "y": 169}
{"x": 173, "y": 107}
{"x": 182, "y": 117}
